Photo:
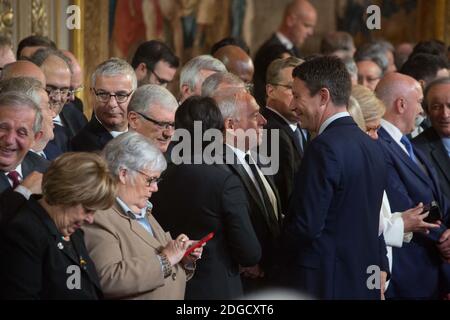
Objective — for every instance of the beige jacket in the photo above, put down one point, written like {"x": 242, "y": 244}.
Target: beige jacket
{"x": 125, "y": 256}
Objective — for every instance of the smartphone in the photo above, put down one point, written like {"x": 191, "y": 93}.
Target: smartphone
{"x": 203, "y": 240}
{"x": 435, "y": 212}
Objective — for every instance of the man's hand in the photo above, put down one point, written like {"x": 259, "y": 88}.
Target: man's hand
{"x": 444, "y": 245}
{"x": 413, "y": 220}
{"x": 33, "y": 182}
{"x": 383, "y": 283}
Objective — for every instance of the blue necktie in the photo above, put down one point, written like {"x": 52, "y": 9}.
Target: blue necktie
{"x": 405, "y": 141}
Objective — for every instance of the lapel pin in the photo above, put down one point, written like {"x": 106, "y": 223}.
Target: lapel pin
{"x": 60, "y": 246}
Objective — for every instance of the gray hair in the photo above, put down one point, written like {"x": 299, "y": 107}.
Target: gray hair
{"x": 375, "y": 52}
{"x": 27, "y": 85}
{"x": 133, "y": 151}
{"x": 39, "y": 57}
{"x": 351, "y": 67}
{"x": 229, "y": 102}
{"x": 114, "y": 67}
{"x": 190, "y": 73}
{"x": 273, "y": 74}
{"x": 17, "y": 99}
{"x": 211, "y": 83}
{"x": 148, "y": 95}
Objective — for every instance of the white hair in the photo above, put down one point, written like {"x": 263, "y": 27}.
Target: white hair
{"x": 16, "y": 99}
{"x": 211, "y": 83}
{"x": 133, "y": 151}
{"x": 114, "y": 67}
{"x": 230, "y": 101}
{"x": 190, "y": 73}
{"x": 149, "y": 95}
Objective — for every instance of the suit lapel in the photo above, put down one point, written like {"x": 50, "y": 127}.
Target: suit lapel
{"x": 4, "y": 183}
{"x": 439, "y": 153}
{"x": 400, "y": 154}
{"x": 103, "y": 135}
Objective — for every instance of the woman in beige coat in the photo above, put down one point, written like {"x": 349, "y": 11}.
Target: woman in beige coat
{"x": 134, "y": 257}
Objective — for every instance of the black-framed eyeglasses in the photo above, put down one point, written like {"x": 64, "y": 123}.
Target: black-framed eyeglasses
{"x": 161, "y": 124}
{"x": 53, "y": 91}
{"x": 149, "y": 180}
{"x": 161, "y": 81}
{"x": 103, "y": 96}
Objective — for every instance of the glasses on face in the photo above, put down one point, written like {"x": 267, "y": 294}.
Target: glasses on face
{"x": 287, "y": 86}
{"x": 161, "y": 81}
{"x": 76, "y": 90}
{"x": 103, "y": 96}
{"x": 149, "y": 180}
{"x": 160, "y": 124}
{"x": 53, "y": 91}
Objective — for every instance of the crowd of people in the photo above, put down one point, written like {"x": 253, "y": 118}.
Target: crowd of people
{"x": 327, "y": 174}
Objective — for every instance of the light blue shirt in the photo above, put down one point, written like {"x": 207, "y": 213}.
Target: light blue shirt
{"x": 141, "y": 217}
{"x": 327, "y": 122}
{"x": 446, "y": 142}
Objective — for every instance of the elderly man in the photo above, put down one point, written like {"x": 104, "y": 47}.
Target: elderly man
{"x": 194, "y": 73}
{"x": 411, "y": 180}
{"x": 341, "y": 174}
{"x": 219, "y": 81}
{"x": 20, "y": 123}
{"x": 236, "y": 61}
{"x": 243, "y": 132}
{"x": 35, "y": 90}
{"x": 154, "y": 63}
{"x": 23, "y": 68}
{"x": 151, "y": 112}
{"x": 283, "y": 118}
{"x": 113, "y": 83}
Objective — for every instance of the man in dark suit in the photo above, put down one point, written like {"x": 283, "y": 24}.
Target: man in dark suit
{"x": 298, "y": 23}
{"x": 18, "y": 179}
{"x": 243, "y": 131}
{"x": 114, "y": 81}
{"x": 223, "y": 211}
{"x": 282, "y": 118}
{"x": 418, "y": 272}
{"x": 331, "y": 235}
{"x": 434, "y": 142}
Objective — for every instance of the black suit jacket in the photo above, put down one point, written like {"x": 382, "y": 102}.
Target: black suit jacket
{"x": 36, "y": 263}
{"x": 73, "y": 119}
{"x": 93, "y": 137}
{"x": 290, "y": 155}
{"x": 11, "y": 201}
{"x": 266, "y": 226}
{"x": 273, "y": 40}
{"x": 430, "y": 143}
{"x": 197, "y": 199}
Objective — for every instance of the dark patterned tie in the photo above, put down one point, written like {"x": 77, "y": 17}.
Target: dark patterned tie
{"x": 14, "y": 176}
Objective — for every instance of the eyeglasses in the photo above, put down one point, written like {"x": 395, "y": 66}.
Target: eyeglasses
{"x": 149, "y": 180}
{"x": 160, "y": 124}
{"x": 53, "y": 91}
{"x": 288, "y": 86}
{"x": 76, "y": 90}
{"x": 104, "y": 97}
{"x": 161, "y": 81}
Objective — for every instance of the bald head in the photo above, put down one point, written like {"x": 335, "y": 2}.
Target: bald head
{"x": 76, "y": 80}
{"x": 299, "y": 21}
{"x": 23, "y": 68}
{"x": 237, "y": 61}
{"x": 402, "y": 95}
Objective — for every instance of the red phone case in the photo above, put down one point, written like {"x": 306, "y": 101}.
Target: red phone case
{"x": 203, "y": 240}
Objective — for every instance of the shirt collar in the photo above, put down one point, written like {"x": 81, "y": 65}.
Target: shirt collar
{"x": 285, "y": 41}
{"x": 126, "y": 209}
{"x": 336, "y": 116}
{"x": 292, "y": 125}
{"x": 57, "y": 120}
{"x": 446, "y": 142}
{"x": 115, "y": 134}
{"x": 239, "y": 153}
{"x": 392, "y": 130}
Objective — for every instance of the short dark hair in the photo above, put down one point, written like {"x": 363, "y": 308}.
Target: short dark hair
{"x": 326, "y": 72}
{"x": 423, "y": 66}
{"x": 434, "y": 83}
{"x": 230, "y": 41}
{"x": 197, "y": 108}
{"x": 151, "y": 52}
{"x": 434, "y": 47}
{"x": 39, "y": 57}
{"x": 35, "y": 41}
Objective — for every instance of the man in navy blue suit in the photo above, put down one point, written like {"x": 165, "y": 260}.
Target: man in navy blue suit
{"x": 331, "y": 232}
{"x": 418, "y": 272}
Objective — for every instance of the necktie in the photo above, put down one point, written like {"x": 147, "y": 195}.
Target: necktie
{"x": 14, "y": 176}
{"x": 405, "y": 141}
{"x": 265, "y": 197}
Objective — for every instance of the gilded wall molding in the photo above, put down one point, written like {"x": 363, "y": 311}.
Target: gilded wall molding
{"x": 6, "y": 18}
{"x": 39, "y": 18}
